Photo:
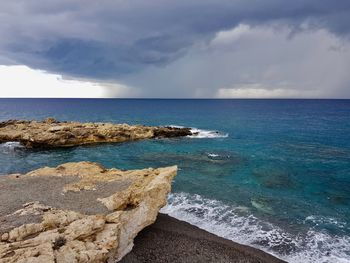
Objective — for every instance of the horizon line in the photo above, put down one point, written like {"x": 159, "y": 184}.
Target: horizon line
{"x": 159, "y": 98}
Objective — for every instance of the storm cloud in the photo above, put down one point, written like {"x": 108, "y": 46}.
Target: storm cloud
{"x": 147, "y": 43}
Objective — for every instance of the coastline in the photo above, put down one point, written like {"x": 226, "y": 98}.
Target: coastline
{"x": 173, "y": 240}
{"x": 231, "y": 186}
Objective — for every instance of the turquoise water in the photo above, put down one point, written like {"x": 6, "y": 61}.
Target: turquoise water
{"x": 275, "y": 176}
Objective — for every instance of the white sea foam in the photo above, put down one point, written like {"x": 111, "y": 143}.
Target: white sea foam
{"x": 321, "y": 220}
{"x": 237, "y": 224}
{"x": 213, "y": 155}
{"x": 10, "y": 146}
{"x": 201, "y": 134}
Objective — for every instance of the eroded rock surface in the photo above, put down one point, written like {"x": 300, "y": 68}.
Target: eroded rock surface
{"x": 51, "y": 133}
{"x": 78, "y": 212}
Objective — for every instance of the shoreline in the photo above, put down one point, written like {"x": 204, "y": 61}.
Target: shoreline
{"x": 173, "y": 240}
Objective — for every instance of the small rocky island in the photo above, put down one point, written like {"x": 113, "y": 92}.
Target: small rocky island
{"x": 51, "y": 133}
{"x": 78, "y": 212}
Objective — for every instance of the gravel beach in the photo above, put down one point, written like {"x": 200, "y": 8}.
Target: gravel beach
{"x": 171, "y": 240}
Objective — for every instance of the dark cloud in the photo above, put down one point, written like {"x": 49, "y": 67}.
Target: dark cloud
{"x": 109, "y": 39}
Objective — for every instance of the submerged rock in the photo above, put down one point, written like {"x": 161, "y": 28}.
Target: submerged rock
{"x": 78, "y": 212}
{"x": 274, "y": 177}
{"x": 51, "y": 133}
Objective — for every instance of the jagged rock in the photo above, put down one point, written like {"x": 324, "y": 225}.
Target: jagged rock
{"x": 51, "y": 133}
{"x": 78, "y": 212}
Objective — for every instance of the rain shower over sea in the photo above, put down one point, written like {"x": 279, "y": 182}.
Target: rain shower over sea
{"x": 273, "y": 174}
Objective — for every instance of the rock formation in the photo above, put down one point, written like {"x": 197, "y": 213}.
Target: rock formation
{"x": 78, "y": 212}
{"x": 51, "y": 133}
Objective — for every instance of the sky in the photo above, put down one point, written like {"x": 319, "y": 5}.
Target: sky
{"x": 175, "y": 49}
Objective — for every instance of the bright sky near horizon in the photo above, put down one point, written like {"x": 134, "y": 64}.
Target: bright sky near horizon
{"x": 177, "y": 49}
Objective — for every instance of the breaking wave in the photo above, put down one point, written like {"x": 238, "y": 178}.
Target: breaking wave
{"x": 198, "y": 133}
{"x": 10, "y": 146}
{"x": 238, "y": 224}
{"x": 201, "y": 134}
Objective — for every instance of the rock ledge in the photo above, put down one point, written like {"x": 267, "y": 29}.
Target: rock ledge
{"x": 78, "y": 212}
{"x": 51, "y": 133}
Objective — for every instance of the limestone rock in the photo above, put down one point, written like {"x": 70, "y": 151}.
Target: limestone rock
{"x": 51, "y": 133}
{"x": 78, "y": 212}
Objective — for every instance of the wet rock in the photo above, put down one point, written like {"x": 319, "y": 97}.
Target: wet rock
{"x": 168, "y": 132}
{"x": 81, "y": 219}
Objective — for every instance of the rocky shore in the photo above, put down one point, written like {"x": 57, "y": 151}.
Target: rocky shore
{"x": 83, "y": 212}
{"x": 51, "y": 133}
{"x": 78, "y": 212}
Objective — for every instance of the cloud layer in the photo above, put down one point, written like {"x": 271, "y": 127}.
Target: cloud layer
{"x": 165, "y": 47}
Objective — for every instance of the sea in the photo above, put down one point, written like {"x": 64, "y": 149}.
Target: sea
{"x": 272, "y": 174}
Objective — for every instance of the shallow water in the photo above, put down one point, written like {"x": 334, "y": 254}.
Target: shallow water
{"x": 274, "y": 174}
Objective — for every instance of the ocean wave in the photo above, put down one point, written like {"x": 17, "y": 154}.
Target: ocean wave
{"x": 321, "y": 220}
{"x": 221, "y": 156}
{"x": 201, "y": 134}
{"x": 10, "y": 146}
{"x": 238, "y": 224}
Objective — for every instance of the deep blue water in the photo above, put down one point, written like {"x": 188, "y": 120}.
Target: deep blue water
{"x": 277, "y": 176}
